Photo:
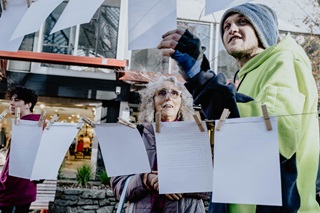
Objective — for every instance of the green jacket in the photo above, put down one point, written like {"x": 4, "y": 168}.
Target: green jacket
{"x": 281, "y": 77}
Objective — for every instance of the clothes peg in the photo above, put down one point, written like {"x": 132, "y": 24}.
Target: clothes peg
{"x": 158, "y": 119}
{"x": 266, "y": 116}
{"x": 42, "y": 118}
{"x": 126, "y": 123}
{"x": 4, "y": 4}
{"x": 80, "y": 123}
{"x": 51, "y": 122}
{"x": 28, "y": 3}
{"x": 88, "y": 121}
{"x": 3, "y": 114}
{"x": 197, "y": 119}
{"x": 225, "y": 114}
{"x": 17, "y": 116}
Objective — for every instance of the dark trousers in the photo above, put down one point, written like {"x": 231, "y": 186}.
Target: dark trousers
{"x": 15, "y": 209}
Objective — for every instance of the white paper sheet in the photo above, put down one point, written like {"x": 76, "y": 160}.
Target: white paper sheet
{"x": 246, "y": 162}
{"x": 25, "y": 141}
{"x": 148, "y": 20}
{"x": 35, "y": 17}
{"x": 52, "y": 150}
{"x": 9, "y": 20}
{"x": 184, "y": 158}
{"x": 217, "y": 5}
{"x": 69, "y": 18}
{"x": 122, "y": 149}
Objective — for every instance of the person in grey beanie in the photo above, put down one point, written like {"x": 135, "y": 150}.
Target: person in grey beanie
{"x": 274, "y": 72}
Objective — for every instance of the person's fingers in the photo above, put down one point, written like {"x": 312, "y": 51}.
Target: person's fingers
{"x": 174, "y": 196}
{"x": 169, "y": 196}
{"x": 179, "y": 195}
{"x": 165, "y": 44}
{"x": 174, "y": 37}
{"x": 176, "y": 31}
{"x": 154, "y": 182}
{"x": 167, "y": 52}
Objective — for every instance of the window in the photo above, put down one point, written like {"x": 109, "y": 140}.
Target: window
{"x": 59, "y": 42}
{"x": 99, "y": 37}
{"x": 151, "y": 60}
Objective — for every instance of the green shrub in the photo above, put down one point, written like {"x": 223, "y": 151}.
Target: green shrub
{"x": 83, "y": 175}
{"x": 103, "y": 177}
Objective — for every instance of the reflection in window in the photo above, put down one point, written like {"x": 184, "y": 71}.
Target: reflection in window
{"x": 58, "y": 42}
{"x": 151, "y": 60}
{"x": 99, "y": 36}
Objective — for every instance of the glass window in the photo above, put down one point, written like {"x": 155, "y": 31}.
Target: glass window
{"x": 58, "y": 42}
{"x": 99, "y": 36}
{"x": 151, "y": 60}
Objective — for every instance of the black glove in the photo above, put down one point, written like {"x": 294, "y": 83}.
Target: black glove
{"x": 187, "y": 53}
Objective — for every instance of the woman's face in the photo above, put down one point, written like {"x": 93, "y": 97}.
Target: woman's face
{"x": 167, "y": 100}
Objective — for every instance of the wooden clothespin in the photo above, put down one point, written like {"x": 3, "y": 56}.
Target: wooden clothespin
{"x": 51, "y": 122}
{"x": 197, "y": 118}
{"x": 42, "y": 118}
{"x": 158, "y": 119}
{"x": 4, "y": 4}
{"x": 3, "y": 114}
{"x": 88, "y": 121}
{"x": 28, "y": 3}
{"x": 225, "y": 114}
{"x": 17, "y": 116}
{"x": 83, "y": 120}
{"x": 80, "y": 123}
{"x": 266, "y": 116}
{"x": 126, "y": 123}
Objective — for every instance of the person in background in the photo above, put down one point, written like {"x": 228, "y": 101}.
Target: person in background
{"x": 168, "y": 96}
{"x": 272, "y": 72}
{"x": 17, "y": 194}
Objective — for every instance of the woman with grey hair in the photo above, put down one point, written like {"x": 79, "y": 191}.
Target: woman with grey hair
{"x": 169, "y": 97}
{"x": 146, "y": 108}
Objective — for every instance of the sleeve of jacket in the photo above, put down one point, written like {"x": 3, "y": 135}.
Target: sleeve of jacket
{"x": 135, "y": 190}
{"x": 213, "y": 94}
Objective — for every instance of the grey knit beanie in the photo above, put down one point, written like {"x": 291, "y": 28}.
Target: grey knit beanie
{"x": 263, "y": 19}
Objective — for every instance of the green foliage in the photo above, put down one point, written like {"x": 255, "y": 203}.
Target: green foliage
{"x": 83, "y": 175}
{"x": 103, "y": 177}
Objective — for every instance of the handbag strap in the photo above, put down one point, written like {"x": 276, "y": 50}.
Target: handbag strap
{"x": 123, "y": 195}
{"x": 131, "y": 207}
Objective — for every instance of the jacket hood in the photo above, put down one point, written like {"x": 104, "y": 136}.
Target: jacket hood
{"x": 287, "y": 44}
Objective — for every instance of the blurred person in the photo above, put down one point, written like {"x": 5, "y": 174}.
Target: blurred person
{"x": 272, "y": 72}
{"x": 17, "y": 194}
{"x": 168, "y": 96}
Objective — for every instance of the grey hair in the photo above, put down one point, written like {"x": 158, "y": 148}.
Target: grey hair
{"x": 146, "y": 106}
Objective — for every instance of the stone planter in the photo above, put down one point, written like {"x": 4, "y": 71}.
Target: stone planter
{"x": 78, "y": 200}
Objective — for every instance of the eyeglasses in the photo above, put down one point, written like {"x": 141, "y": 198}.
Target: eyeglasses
{"x": 172, "y": 93}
